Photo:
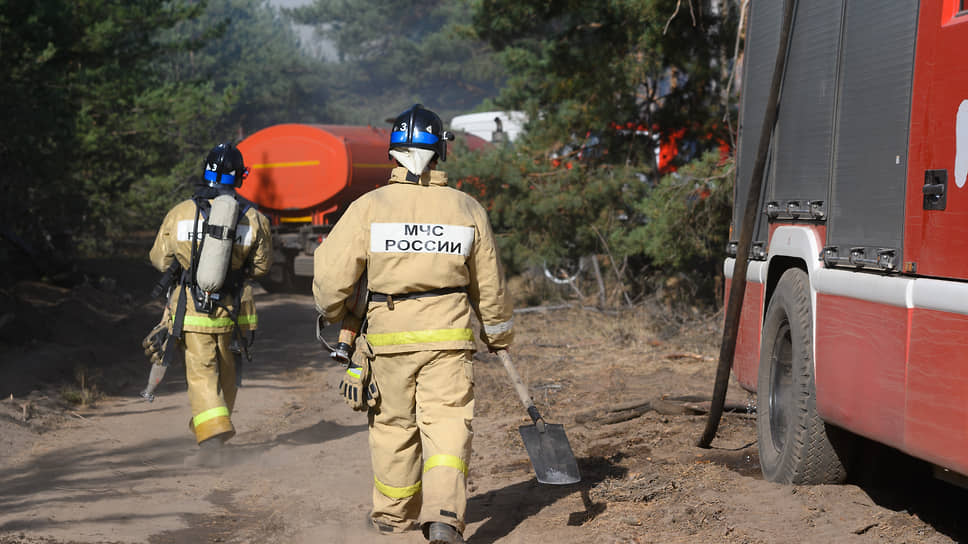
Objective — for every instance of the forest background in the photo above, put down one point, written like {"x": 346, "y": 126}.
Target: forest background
{"x": 109, "y": 108}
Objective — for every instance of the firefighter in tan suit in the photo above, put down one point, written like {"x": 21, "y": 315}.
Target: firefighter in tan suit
{"x": 211, "y": 332}
{"x": 428, "y": 254}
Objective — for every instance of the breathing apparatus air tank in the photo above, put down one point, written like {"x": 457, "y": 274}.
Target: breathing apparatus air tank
{"x": 216, "y": 252}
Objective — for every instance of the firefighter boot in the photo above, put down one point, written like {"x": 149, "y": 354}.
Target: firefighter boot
{"x": 441, "y": 533}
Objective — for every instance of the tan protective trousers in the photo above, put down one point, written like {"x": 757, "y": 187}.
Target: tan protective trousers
{"x": 420, "y": 437}
{"x": 210, "y": 372}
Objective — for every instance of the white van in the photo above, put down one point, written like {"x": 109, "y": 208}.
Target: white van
{"x": 489, "y": 125}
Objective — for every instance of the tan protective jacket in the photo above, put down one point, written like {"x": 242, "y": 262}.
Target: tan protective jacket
{"x": 413, "y": 237}
{"x": 253, "y": 249}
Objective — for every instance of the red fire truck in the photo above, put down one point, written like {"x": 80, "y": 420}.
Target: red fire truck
{"x": 855, "y": 314}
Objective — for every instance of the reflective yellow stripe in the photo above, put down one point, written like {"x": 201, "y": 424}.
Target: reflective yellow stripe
{"x": 419, "y": 337}
{"x": 284, "y": 164}
{"x": 446, "y": 461}
{"x": 211, "y": 413}
{"x": 248, "y": 319}
{"x": 354, "y": 372}
{"x": 213, "y": 322}
{"x": 396, "y": 492}
{"x": 303, "y": 219}
{"x": 203, "y": 321}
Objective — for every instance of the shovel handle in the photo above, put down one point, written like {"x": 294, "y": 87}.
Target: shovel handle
{"x": 519, "y": 387}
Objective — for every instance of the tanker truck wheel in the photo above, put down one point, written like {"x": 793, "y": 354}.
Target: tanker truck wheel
{"x": 794, "y": 444}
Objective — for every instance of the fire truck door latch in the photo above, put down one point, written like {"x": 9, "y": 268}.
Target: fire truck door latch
{"x": 935, "y": 189}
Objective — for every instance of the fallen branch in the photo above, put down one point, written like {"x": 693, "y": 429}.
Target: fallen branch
{"x": 865, "y": 528}
{"x": 541, "y": 308}
{"x": 566, "y": 346}
{"x": 590, "y": 416}
{"x": 687, "y": 355}
{"x": 687, "y": 405}
{"x": 734, "y": 407}
{"x": 625, "y": 415}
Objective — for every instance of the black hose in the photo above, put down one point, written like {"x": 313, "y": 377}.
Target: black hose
{"x": 737, "y": 289}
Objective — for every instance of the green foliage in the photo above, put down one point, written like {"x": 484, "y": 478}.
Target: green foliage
{"x": 131, "y": 122}
{"x": 597, "y": 71}
{"x": 84, "y": 392}
{"x": 395, "y": 54}
{"x": 686, "y": 218}
{"x": 34, "y": 111}
{"x": 578, "y": 66}
{"x": 90, "y": 120}
{"x": 543, "y": 212}
{"x": 546, "y": 214}
{"x": 111, "y": 107}
{"x": 249, "y": 51}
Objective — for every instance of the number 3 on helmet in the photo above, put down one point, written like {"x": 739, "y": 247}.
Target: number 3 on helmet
{"x": 421, "y": 128}
{"x": 225, "y": 166}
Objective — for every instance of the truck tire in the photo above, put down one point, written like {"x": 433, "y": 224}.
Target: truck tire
{"x": 794, "y": 444}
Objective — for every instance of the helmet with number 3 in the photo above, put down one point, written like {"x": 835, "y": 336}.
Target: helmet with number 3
{"x": 420, "y": 128}
{"x": 224, "y": 166}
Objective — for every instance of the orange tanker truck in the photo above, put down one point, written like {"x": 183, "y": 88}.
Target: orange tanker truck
{"x": 303, "y": 177}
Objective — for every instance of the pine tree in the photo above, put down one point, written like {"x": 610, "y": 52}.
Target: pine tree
{"x": 394, "y": 54}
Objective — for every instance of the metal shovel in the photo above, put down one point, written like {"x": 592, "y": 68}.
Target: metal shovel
{"x": 551, "y": 456}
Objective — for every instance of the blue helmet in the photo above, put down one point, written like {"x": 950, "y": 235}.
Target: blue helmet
{"x": 225, "y": 166}
{"x": 421, "y": 128}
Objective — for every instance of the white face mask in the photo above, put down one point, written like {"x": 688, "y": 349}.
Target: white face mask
{"x": 414, "y": 159}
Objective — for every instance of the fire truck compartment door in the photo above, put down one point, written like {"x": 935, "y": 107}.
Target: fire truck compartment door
{"x": 936, "y": 224}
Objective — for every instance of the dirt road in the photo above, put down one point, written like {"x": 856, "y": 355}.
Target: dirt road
{"x": 627, "y": 387}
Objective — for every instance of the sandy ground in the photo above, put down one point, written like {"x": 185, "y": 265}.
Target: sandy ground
{"x": 628, "y": 387}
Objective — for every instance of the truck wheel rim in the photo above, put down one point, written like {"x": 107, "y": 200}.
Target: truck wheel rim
{"x": 782, "y": 385}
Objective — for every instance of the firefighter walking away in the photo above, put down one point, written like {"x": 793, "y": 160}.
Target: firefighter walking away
{"x": 220, "y": 240}
{"x": 428, "y": 255}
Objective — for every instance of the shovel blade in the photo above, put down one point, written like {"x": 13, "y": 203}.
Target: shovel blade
{"x": 551, "y": 456}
